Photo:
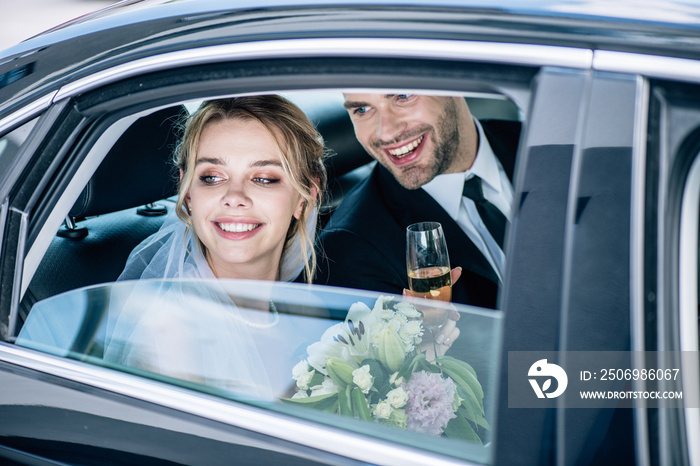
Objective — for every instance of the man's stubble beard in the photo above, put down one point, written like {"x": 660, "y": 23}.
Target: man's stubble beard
{"x": 446, "y": 152}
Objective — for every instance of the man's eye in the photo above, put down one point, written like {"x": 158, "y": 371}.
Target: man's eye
{"x": 361, "y": 110}
{"x": 404, "y": 96}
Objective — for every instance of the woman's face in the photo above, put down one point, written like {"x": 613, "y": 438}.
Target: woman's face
{"x": 241, "y": 199}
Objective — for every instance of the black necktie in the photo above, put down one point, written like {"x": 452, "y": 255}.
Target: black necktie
{"x": 494, "y": 220}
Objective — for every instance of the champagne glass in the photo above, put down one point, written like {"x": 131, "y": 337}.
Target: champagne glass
{"x": 428, "y": 266}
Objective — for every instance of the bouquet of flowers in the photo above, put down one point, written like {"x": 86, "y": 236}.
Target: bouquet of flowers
{"x": 371, "y": 367}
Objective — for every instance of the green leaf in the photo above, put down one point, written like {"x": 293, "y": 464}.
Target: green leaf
{"x": 458, "y": 362}
{"x": 309, "y": 400}
{"x": 331, "y": 408}
{"x": 379, "y": 374}
{"x": 409, "y": 365}
{"x": 464, "y": 385}
{"x": 344, "y": 402}
{"x": 482, "y": 422}
{"x": 459, "y": 428}
{"x": 465, "y": 371}
{"x": 383, "y": 390}
{"x": 424, "y": 365}
{"x": 316, "y": 379}
{"x": 471, "y": 410}
{"x": 360, "y": 404}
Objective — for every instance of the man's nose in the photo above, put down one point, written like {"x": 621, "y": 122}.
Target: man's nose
{"x": 389, "y": 125}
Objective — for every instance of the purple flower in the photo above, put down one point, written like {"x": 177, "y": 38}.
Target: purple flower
{"x": 430, "y": 400}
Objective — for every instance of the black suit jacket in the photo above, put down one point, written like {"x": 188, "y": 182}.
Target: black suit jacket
{"x": 363, "y": 246}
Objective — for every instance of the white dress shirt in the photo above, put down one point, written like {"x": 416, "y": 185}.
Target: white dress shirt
{"x": 497, "y": 189}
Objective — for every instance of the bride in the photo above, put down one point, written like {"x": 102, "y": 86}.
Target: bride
{"x": 251, "y": 176}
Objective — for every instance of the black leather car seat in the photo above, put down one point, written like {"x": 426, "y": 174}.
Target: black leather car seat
{"x": 115, "y": 211}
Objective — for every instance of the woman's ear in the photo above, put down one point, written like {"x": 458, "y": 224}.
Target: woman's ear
{"x": 300, "y": 208}
{"x": 302, "y": 203}
{"x": 182, "y": 173}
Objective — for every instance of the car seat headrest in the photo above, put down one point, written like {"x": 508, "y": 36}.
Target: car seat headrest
{"x": 137, "y": 170}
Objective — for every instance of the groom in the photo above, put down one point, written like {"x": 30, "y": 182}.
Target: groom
{"x": 436, "y": 163}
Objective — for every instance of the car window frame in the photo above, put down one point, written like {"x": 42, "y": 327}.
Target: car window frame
{"x": 74, "y": 94}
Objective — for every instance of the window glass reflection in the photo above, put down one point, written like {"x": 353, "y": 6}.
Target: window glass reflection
{"x": 347, "y": 358}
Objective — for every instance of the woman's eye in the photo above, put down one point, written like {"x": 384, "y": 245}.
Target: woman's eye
{"x": 210, "y": 179}
{"x": 265, "y": 181}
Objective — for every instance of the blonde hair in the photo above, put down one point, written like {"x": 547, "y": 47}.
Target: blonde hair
{"x": 302, "y": 157}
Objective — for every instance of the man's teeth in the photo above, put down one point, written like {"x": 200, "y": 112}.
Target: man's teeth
{"x": 238, "y": 227}
{"x": 404, "y": 150}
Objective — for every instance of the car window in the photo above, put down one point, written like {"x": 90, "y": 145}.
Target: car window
{"x": 345, "y": 358}
{"x": 11, "y": 142}
{"x": 214, "y": 341}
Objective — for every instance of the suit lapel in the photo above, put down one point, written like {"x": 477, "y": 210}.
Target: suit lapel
{"x": 503, "y": 138}
{"x": 412, "y": 206}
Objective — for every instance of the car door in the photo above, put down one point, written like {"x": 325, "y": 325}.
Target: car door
{"x": 572, "y": 280}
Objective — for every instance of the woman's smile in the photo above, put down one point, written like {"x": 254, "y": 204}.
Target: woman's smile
{"x": 238, "y": 230}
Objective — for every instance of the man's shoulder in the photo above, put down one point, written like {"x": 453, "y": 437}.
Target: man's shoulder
{"x": 504, "y": 137}
{"x": 501, "y": 128}
{"x": 361, "y": 202}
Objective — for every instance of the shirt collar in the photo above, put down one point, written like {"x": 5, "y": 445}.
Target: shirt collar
{"x": 447, "y": 189}
{"x": 485, "y": 165}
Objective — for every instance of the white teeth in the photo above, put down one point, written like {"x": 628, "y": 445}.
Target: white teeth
{"x": 238, "y": 227}
{"x": 404, "y": 150}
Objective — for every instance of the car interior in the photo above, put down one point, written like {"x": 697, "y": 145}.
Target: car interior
{"x": 127, "y": 197}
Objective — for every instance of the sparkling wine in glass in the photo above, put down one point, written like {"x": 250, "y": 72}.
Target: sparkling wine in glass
{"x": 428, "y": 266}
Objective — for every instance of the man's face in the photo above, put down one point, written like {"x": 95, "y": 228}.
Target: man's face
{"x": 416, "y": 137}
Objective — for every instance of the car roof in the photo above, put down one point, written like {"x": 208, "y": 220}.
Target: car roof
{"x": 132, "y": 29}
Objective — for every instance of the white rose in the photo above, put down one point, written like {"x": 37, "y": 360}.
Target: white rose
{"x": 396, "y": 323}
{"x": 411, "y": 331}
{"x": 304, "y": 379}
{"x": 363, "y": 379}
{"x": 397, "y": 397}
{"x": 300, "y": 368}
{"x": 383, "y": 410}
{"x": 386, "y": 314}
{"x": 326, "y": 388}
{"x": 408, "y": 310}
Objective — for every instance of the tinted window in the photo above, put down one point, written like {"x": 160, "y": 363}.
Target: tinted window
{"x": 213, "y": 337}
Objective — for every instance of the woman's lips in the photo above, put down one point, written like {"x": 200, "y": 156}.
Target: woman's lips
{"x": 240, "y": 229}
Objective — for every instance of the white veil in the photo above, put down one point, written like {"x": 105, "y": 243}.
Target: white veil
{"x": 177, "y": 320}
{"x": 172, "y": 252}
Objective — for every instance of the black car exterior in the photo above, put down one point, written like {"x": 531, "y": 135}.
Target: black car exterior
{"x": 602, "y": 252}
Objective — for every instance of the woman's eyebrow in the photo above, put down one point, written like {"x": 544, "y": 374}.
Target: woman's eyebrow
{"x": 254, "y": 164}
{"x": 266, "y": 163}
{"x": 211, "y": 160}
